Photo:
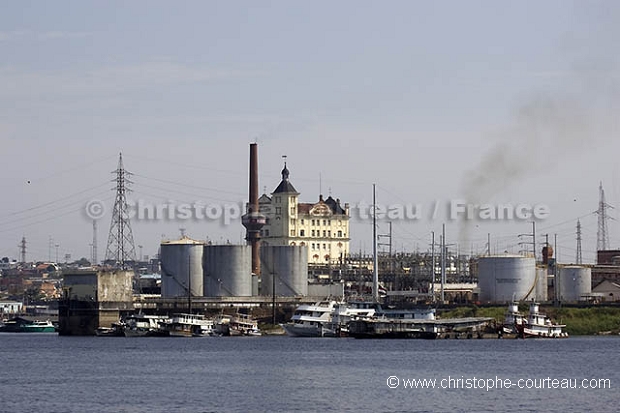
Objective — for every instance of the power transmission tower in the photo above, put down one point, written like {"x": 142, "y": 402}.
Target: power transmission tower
{"x": 94, "y": 257}
{"x": 578, "y": 258}
{"x": 121, "y": 247}
{"x": 602, "y": 236}
{"x": 22, "y": 250}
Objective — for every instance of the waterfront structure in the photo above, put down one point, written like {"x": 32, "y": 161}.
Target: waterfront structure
{"x": 93, "y": 299}
{"x": 323, "y": 227}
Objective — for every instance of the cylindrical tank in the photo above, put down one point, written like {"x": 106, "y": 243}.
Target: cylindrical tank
{"x": 504, "y": 278}
{"x": 541, "y": 284}
{"x": 574, "y": 281}
{"x": 181, "y": 268}
{"x": 227, "y": 271}
{"x": 284, "y": 267}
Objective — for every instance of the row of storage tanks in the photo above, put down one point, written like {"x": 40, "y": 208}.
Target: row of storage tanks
{"x": 226, "y": 270}
{"x": 513, "y": 277}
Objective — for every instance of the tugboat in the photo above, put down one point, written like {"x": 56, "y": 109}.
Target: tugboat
{"x": 536, "y": 325}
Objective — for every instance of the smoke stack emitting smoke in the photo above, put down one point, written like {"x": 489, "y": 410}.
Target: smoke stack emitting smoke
{"x": 546, "y": 131}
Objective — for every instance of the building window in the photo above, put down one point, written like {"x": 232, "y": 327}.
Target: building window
{"x": 324, "y": 222}
{"x": 302, "y": 222}
{"x": 313, "y": 245}
{"x": 329, "y": 234}
{"x": 302, "y": 233}
{"x": 292, "y": 233}
{"x": 313, "y": 233}
{"x": 339, "y": 234}
{"x": 278, "y": 210}
{"x": 266, "y": 232}
{"x": 324, "y": 246}
{"x": 312, "y": 222}
{"x": 329, "y": 222}
{"x": 277, "y": 200}
{"x": 324, "y": 233}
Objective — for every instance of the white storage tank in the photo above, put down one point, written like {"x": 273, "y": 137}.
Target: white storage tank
{"x": 181, "y": 268}
{"x": 227, "y": 271}
{"x": 541, "y": 284}
{"x": 504, "y": 278}
{"x": 286, "y": 267}
{"x": 574, "y": 282}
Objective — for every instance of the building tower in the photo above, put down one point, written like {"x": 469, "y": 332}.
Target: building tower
{"x": 253, "y": 220}
{"x": 120, "y": 249}
{"x": 602, "y": 237}
{"x": 578, "y": 259}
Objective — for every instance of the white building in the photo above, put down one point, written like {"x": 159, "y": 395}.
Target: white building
{"x": 322, "y": 226}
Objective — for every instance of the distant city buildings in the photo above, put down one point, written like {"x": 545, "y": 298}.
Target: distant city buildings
{"x": 323, "y": 227}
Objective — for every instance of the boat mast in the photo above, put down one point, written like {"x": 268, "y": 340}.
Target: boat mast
{"x": 375, "y": 269}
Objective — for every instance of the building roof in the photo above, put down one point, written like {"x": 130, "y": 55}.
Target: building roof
{"x": 334, "y": 204}
{"x": 285, "y": 185}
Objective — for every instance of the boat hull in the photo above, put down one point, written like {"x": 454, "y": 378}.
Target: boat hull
{"x": 302, "y": 330}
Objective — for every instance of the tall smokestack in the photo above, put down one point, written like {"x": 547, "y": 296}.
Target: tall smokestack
{"x": 253, "y": 220}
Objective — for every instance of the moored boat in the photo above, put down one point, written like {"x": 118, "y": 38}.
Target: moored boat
{"x": 22, "y": 325}
{"x": 535, "y": 325}
{"x": 188, "y": 325}
{"x": 312, "y": 320}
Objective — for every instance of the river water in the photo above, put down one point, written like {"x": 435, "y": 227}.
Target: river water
{"x": 48, "y": 373}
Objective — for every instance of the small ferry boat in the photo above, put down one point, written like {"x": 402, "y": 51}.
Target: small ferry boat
{"x": 22, "y": 325}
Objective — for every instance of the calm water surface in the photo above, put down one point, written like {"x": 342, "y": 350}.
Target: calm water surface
{"x": 48, "y": 373}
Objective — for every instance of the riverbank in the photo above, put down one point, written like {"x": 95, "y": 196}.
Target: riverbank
{"x": 579, "y": 321}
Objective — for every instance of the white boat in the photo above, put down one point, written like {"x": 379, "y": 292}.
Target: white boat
{"x": 540, "y": 326}
{"x": 535, "y": 325}
{"x": 188, "y": 325}
{"x": 312, "y": 320}
{"x": 141, "y": 325}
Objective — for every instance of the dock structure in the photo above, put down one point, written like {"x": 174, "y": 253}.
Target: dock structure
{"x": 411, "y": 328}
{"x": 92, "y": 299}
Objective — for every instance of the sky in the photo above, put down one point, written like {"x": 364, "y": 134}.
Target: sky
{"x": 436, "y": 103}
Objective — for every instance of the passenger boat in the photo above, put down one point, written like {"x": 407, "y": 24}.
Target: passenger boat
{"x": 22, "y": 325}
{"x": 188, "y": 325}
{"x": 312, "y": 320}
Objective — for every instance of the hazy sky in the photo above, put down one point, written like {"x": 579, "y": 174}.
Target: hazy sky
{"x": 491, "y": 102}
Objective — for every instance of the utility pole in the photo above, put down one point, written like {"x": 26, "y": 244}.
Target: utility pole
{"x": 375, "y": 269}
{"x": 443, "y": 262}
{"x": 578, "y": 259}
{"x": 433, "y": 264}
